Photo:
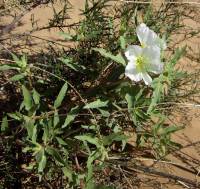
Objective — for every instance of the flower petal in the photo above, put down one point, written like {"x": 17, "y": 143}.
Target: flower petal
{"x": 152, "y": 53}
{"x": 132, "y": 52}
{"x": 132, "y": 72}
{"x": 142, "y": 32}
{"x": 156, "y": 67}
{"x": 146, "y": 36}
{"x": 147, "y": 79}
{"x": 153, "y": 56}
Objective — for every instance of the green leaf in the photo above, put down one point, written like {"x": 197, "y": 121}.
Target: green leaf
{"x": 61, "y": 141}
{"x": 118, "y": 58}
{"x": 36, "y": 97}
{"x": 56, "y": 119}
{"x": 171, "y": 129}
{"x": 107, "y": 140}
{"x": 21, "y": 63}
{"x": 61, "y": 95}
{"x": 17, "y": 77}
{"x": 34, "y": 134}
{"x": 42, "y": 160}
{"x": 130, "y": 101}
{"x": 16, "y": 115}
{"x": 104, "y": 113}
{"x": 122, "y": 42}
{"x": 139, "y": 94}
{"x": 16, "y": 59}
{"x": 89, "y": 127}
{"x": 27, "y": 98}
{"x": 71, "y": 116}
{"x": 31, "y": 128}
{"x": 68, "y": 173}
{"x": 54, "y": 153}
{"x": 5, "y": 67}
{"x": 96, "y": 104}
{"x": 72, "y": 65}
{"x": 89, "y": 139}
{"x": 158, "y": 91}
{"x": 46, "y": 133}
{"x": 89, "y": 178}
{"x": 8, "y": 67}
{"x": 4, "y": 124}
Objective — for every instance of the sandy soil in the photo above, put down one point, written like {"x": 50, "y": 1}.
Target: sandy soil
{"x": 41, "y": 16}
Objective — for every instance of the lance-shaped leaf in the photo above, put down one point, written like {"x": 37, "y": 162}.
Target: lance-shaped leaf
{"x": 69, "y": 62}
{"x": 36, "y": 97}
{"x": 17, "y": 77}
{"x": 27, "y": 98}
{"x": 8, "y": 67}
{"x": 42, "y": 160}
{"x": 96, "y": 104}
{"x": 89, "y": 139}
{"x": 61, "y": 95}
{"x": 71, "y": 116}
{"x": 118, "y": 58}
{"x": 55, "y": 154}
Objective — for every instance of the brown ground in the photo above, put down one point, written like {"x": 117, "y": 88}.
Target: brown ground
{"x": 189, "y": 155}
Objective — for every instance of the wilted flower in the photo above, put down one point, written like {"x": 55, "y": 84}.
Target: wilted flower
{"x": 148, "y": 37}
{"x": 141, "y": 61}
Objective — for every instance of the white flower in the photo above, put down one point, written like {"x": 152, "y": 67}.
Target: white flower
{"x": 141, "y": 61}
{"x": 148, "y": 37}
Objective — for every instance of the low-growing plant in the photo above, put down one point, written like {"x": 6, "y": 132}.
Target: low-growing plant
{"x": 76, "y": 114}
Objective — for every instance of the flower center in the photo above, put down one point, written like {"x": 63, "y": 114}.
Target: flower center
{"x": 143, "y": 45}
{"x": 141, "y": 64}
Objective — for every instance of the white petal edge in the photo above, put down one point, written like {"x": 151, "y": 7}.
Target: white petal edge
{"x": 161, "y": 43}
{"x": 132, "y": 73}
{"x": 142, "y": 32}
{"x": 132, "y": 52}
{"x": 156, "y": 67}
{"x": 147, "y": 79}
{"x": 148, "y": 37}
{"x": 151, "y": 38}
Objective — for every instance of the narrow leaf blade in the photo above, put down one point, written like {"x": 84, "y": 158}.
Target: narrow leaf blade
{"x": 96, "y": 104}
{"x": 27, "y": 98}
{"x": 61, "y": 95}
